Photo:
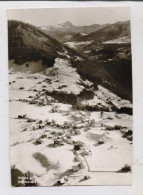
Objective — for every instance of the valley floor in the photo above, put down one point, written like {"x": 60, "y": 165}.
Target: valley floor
{"x": 59, "y": 145}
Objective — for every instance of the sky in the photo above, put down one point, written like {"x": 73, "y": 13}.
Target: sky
{"x": 78, "y": 16}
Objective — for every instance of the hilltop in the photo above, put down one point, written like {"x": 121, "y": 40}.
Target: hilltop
{"x": 109, "y": 32}
{"x": 26, "y": 43}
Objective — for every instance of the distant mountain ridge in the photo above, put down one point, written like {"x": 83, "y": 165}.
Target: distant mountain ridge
{"x": 64, "y": 31}
{"x": 109, "y": 32}
{"x": 68, "y": 26}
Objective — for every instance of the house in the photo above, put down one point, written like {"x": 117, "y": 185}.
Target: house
{"x": 69, "y": 141}
{"x": 84, "y": 152}
{"x": 77, "y": 167}
{"x": 63, "y": 180}
{"x": 58, "y": 142}
{"x": 77, "y": 159}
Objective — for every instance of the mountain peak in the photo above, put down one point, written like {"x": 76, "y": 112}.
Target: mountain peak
{"x": 68, "y": 23}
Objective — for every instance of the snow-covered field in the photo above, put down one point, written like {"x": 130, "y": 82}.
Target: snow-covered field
{"x": 74, "y": 44}
{"x": 53, "y": 141}
{"x": 121, "y": 40}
